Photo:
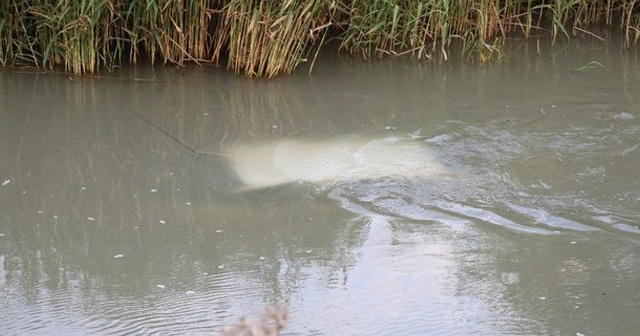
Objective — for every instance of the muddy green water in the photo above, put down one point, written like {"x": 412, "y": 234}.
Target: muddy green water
{"x": 123, "y": 210}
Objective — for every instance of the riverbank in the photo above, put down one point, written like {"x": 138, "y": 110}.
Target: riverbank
{"x": 267, "y": 38}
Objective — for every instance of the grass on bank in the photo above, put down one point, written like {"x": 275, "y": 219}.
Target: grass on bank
{"x": 266, "y": 38}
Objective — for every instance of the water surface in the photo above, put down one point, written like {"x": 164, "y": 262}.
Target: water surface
{"x": 122, "y": 210}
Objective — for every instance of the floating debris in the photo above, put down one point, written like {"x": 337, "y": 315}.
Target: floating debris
{"x": 624, "y": 116}
{"x": 271, "y": 322}
{"x": 117, "y": 256}
{"x": 348, "y": 158}
{"x": 5, "y": 182}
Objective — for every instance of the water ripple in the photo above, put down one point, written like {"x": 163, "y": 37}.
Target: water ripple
{"x": 165, "y": 311}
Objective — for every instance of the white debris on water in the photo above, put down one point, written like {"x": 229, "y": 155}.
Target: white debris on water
{"x": 624, "y": 116}
{"x": 347, "y": 158}
{"x": 220, "y": 266}
{"x": 161, "y": 221}
{"x": 91, "y": 218}
{"x": 5, "y": 182}
{"x": 117, "y": 256}
{"x": 219, "y": 231}
{"x": 153, "y": 190}
{"x": 160, "y": 286}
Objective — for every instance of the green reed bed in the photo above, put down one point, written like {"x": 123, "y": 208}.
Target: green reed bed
{"x": 266, "y": 38}
{"x": 175, "y": 31}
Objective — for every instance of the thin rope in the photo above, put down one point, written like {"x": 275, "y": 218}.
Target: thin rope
{"x": 171, "y": 136}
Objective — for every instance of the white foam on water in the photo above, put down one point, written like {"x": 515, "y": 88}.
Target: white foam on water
{"x": 325, "y": 162}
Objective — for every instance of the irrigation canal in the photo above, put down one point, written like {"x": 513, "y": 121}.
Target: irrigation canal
{"x": 388, "y": 197}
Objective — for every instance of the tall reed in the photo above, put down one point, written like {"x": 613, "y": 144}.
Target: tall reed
{"x": 176, "y": 31}
{"x": 266, "y": 38}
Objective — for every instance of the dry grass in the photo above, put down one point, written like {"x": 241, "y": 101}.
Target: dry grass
{"x": 267, "y": 38}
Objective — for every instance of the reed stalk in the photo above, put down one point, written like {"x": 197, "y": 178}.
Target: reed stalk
{"x": 267, "y": 37}
{"x": 270, "y": 37}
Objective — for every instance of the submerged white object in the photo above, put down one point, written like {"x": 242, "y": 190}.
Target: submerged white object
{"x": 327, "y": 161}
